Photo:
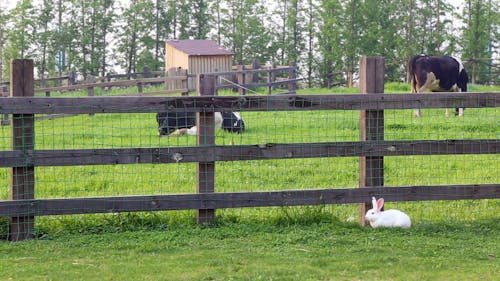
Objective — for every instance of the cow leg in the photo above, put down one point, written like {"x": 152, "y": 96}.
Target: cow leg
{"x": 218, "y": 120}
{"x": 459, "y": 111}
{"x": 421, "y": 90}
{"x": 417, "y": 112}
{"x": 430, "y": 83}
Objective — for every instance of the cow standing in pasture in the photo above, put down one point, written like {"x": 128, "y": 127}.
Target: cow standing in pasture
{"x": 184, "y": 123}
{"x": 437, "y": 74}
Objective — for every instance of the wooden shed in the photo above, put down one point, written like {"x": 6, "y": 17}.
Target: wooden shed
{"x": 196, "y": 56}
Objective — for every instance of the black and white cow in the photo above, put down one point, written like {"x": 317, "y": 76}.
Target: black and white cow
{"x": 437, "y": 74}
{"x": 184, "y": 123}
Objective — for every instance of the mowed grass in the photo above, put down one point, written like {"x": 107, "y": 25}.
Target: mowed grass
{"x": 301, "y": 247}
{"x": 455, "y": 240}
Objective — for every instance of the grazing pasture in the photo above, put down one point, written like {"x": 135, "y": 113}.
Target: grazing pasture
{"x": 140, "y": 130}
{"x": 450, "y": 240}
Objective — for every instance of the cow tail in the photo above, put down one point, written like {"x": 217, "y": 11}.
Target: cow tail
{"x": 463, "y": 79}
{"x": 411, "y": 72}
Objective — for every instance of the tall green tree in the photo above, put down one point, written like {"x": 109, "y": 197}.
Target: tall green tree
{"x": 351, "y": 33}
{"x": 480, "y": 36}
{"x": 20, "y": 36}
{"x": 292, "y": 25}
{"x": 311, "y": 30}
{"x": 100, "y": 24}
{"x": 3, "y": 25}
{"x": 201, "y": 19}
{"x": 243, "y": 31}
{"x": 164, "y": 29}
{"x": 432, "y": 28}
{"x": 61, "y": 38}
{"x": 83, "y": 10}
{"x": 44, "y": 38}
{"x": 330, "y": 70}
{"x": 217, "y": 11}
{"x": 182, "y": 15}
{"x": 102, "y": 21}
{"x": 136, "y": 39}
{"x": 71, "y": 35}
{"x": 380, "y": 33}
{"x": 280, "y": 29}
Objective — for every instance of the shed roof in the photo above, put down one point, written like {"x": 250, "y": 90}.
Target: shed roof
{"x": 199, "y": 47}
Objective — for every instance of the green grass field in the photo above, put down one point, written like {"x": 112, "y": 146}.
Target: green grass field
{"x": 456, "y": 240}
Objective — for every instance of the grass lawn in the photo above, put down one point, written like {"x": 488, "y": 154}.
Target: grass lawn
{"x": 455, "y": 240}
{"x": 299, "y": 248}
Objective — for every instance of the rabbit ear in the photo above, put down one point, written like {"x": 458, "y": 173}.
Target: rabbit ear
{"x": 380, "y": 203}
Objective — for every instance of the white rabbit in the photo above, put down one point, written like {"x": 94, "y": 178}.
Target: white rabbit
{"x": 390, "y": 218}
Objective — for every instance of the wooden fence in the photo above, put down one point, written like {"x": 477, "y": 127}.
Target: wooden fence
{"x": 244, "y": 78}
{"x": 176, "y": 81}
{"x": 372, "y": 148}
{"x": 241, "y": 78}
{"x": 71, "y": 78}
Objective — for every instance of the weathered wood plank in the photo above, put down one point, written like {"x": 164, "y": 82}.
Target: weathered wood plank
{"x": 43, "y": 207}
{"x": 206, "y": 137}
{"x": 247, "y": 70}
{"x": 264, "y": 84}
{"x": 188, "y": 154}
{"x": 371, "y": 126}
{"x": 122, "y": 83}
{"x": 138, "y": 104}
{"x": 23, "y": 139}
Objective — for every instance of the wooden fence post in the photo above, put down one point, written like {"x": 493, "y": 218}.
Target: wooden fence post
{"x": 255, "y": 66}
{"x": 90, "y": 89}
{"x": 169, "y": 84}
{"x": 44, "y": 84}
{"x": 139, "y": 87}
{"x": 146, "y": 72}
{"x": 72, "y": 78}
{"x": 371, "y": 168}
{"x": 23, "y": 178}
{"x": 5, "y": 117}
{"x": 241, "y": 80}
{"x": 184, "y": 82}
{"x": 271, "y": 78}
{"x": 206, "y": 137}
{"x": 292, "y": 75}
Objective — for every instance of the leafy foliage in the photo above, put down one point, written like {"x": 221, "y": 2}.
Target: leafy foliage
{"x": 324, "y": 37}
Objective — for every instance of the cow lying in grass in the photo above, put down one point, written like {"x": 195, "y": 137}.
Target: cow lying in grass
{"x": 437, "y": 74}
{"x": 184, "y": 123}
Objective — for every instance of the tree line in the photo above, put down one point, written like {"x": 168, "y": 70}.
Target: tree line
{"x": 324, "y": 37}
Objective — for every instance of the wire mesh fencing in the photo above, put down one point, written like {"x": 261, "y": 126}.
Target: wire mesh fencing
{"x": 299, "y": 150}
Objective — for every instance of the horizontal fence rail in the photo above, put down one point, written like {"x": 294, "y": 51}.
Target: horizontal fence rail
{"x": 122, "y": 83}
{"x": 88, "y": 105}
{"x": 44, "y": 207}
{"x": 266, "y": 151}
